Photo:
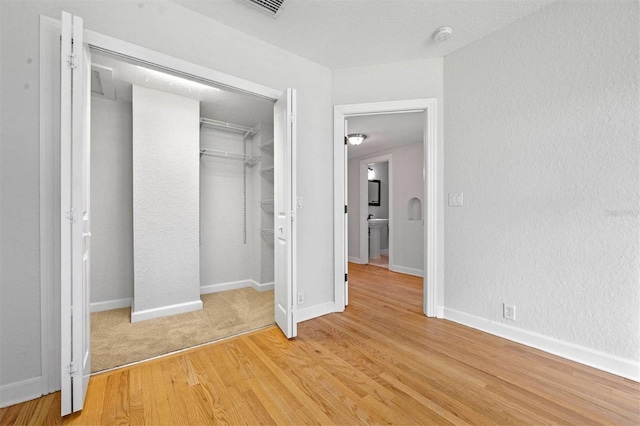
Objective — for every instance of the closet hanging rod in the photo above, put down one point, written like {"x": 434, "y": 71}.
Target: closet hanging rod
{"x": 230, "y": 155}
{"x": 223, "y": 125}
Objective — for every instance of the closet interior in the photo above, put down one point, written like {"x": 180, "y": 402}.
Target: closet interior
{"x": 182, "y": 212}
{"x": 236, "y": 179}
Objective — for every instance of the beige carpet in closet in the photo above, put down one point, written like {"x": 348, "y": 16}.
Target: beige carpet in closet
{"x": 115, "y": 341}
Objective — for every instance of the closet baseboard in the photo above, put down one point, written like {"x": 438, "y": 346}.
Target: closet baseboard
{"x": 233, "y": 285}
{"x": 262, "y": 286}
{"x": 163, "y": 311}
{"x": 110, "y": 304}
{"x": 206, "y": 289}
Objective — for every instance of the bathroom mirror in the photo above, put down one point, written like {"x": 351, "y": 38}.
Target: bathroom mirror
{"x": 374, "y": 192}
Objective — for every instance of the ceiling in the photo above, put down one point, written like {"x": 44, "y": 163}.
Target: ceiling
{"x": 217, "y": 103}
{"x": 385, "y": 131}
{"x": 334, "y": 33}
{"x": 349, "y": 33}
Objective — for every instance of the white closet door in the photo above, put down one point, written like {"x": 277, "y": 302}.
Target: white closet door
{"x": 75, "y": 93}
{"x": 284, "y": 132}
{"x": 346, "y": 215}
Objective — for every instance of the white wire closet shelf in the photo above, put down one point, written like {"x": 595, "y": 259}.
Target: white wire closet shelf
{"x": 248, "y": 132}
{"x": 267, "y": 171}
{"x": 267, "y": 146}
{"x": 248, "y": 159}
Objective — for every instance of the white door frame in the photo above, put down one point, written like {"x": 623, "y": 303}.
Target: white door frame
{"x": 432, "y": 201}
{"x": 364, "y": 192}
{"x": 49, "y": 169}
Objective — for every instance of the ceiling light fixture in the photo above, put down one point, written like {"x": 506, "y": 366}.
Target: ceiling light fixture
{"x": 172, "y": 80}
{"x": 356, "y": 138}
{"x": 443, "y": 34}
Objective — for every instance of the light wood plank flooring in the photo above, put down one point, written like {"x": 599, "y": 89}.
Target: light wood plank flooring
{"x": 381, "y": 361}
{"x": 382, "y": 261}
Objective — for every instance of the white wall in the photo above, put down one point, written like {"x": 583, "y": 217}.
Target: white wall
{"x": 224, "y": 255}
{"x": 542, "y": 137}
{"x": 398, "y": 81}
{"x": 407, "y": 183}
{"x": 166, "y": 206}
{"x": 193, "y": 38}
{"x": 111, "y": 200}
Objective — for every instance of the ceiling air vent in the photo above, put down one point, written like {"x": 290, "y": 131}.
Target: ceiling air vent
{"x": 270, "y": 6}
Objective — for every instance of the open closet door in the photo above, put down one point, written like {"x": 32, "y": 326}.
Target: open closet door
{"x": 75, "y": 110}
{"x": 284, "y": 160}
{"x": 346, "y": 214}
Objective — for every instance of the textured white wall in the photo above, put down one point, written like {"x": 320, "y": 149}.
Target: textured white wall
{"x": 111, "y": 200}
{"x": 407, "y": 183}
{"x": 542, "y": 139}
{"x": 144, "y": 23}
{"x": 166, "y": 193}
{"x": 391, "y": 82}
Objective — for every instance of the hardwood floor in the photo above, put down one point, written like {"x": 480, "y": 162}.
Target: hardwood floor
{"x": 381, "y": 361}
{"x": 382, "y": 261}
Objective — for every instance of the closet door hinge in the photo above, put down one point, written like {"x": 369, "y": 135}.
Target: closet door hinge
{"x": 345, "y": 208}
{"x": 346, "y": 139}
{"x": 72, "y": 369}
{"x": 292, "y": 215}
{"x": 292, "y": 118}
{"x": 72, "y": 215}
{"x": 72, "y": 61}
{"x": 346, "y": 277}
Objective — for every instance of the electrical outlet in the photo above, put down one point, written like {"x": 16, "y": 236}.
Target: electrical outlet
{"x": 300, "y": 298}
{"x": 509, "y": 311}
{"x": 456, "y": 199}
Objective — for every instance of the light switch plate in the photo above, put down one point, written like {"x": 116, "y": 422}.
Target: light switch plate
{"x": 456, "y": 199}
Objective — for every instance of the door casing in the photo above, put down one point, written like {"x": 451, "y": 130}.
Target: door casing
{"x": 362, "y": 220}
{"x": 432, "y": 200}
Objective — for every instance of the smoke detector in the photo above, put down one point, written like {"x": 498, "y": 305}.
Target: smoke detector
{"x": 270, "y": 6}
{"x": 442, "y": 34}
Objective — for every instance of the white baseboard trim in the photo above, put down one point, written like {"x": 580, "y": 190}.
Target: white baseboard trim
{"x": 602, "y": 361}
{"x": 440, "y": 311}
{"x": 213, "y": 288}
{"x": 262, "y": 286}
{"x": 405, "y": 270}
{"x": 232, "y": 285}
{"x": 163, "y": 311}
{"x": 357, "y": 260}
{"x": 384, "y": 251}
{"x": 314, "y": 312}
{"x": 111, "y": 304}
{"x": 15, "y": 393}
